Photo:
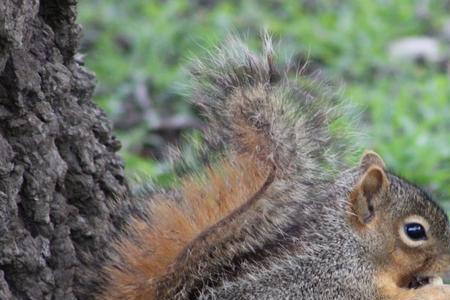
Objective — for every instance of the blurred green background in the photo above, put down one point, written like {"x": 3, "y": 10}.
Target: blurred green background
{"x": 391, "y": 57}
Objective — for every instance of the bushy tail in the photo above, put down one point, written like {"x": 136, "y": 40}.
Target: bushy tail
{"x": 252, "y": 107}
{"x": 277, "y": 152}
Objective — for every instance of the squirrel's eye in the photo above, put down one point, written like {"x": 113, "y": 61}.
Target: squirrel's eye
{"x": 415, "y": 231}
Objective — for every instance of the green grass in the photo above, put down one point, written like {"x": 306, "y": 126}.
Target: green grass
{"x": 406, "y": 107}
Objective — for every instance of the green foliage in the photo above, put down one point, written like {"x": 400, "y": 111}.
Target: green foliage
{"x": 406, "y": 108}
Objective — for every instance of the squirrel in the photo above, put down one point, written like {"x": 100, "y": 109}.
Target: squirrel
{"x": 276, "y": 213}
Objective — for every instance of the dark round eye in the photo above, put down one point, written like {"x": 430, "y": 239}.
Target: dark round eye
{"x": 415, "y": 231}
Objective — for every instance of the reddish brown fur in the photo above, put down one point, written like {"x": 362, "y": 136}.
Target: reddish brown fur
{"x": 148, "y": 254}
{"x": 251, "y": 138}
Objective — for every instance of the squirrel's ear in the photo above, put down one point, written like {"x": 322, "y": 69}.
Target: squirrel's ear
{"x": 367, "y": 194}
{"x": 371, "y": 158}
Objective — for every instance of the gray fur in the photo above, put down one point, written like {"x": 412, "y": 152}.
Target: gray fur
{"x": 235, "y": 88}
{"x": 294, "y": 114}
{"x": 328, "y": 260}
{"x": 294, "y": 240}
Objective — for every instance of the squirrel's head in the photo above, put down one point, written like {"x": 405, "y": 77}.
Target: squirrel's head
{"x": 405, "y": 233}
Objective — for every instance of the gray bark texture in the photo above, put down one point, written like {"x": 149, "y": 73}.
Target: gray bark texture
{"x": 59, "y": 175}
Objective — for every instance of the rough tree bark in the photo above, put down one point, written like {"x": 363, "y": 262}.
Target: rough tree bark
{"x": 59, "y": 174}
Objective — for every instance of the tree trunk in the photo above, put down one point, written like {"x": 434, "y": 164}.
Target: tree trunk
{"x": 59, "y": 174}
